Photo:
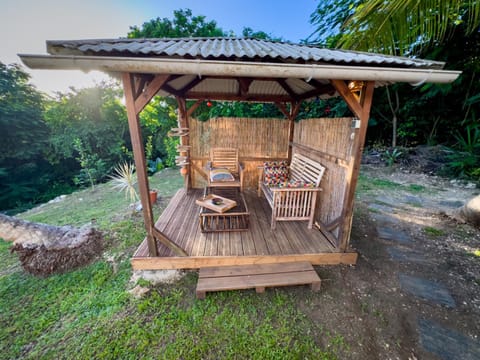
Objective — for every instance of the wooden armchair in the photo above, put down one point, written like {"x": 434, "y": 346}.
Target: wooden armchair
{"x": 225, "y": 158}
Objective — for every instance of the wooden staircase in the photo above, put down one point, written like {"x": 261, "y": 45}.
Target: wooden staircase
{"x": 258, "y": 276}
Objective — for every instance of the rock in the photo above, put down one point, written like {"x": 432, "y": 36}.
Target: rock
{"x": 157, "y": 276}
{"x": 470, "y": 212}
{"x": 139, "y": 291}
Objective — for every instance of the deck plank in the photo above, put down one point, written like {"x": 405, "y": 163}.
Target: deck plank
{"x": 256, "y": 276}
{"x": 290, "y": 240}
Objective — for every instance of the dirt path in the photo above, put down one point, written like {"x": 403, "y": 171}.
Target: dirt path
{"x": 415, "y": 292}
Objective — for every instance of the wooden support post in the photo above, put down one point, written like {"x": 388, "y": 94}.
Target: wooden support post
{"x": 294, "y": 109}
{"x": 134, "y": 105}
{"x": 185, "y": 140}
{"x": 140, "y": 162}
{"x": 360, "y": 106}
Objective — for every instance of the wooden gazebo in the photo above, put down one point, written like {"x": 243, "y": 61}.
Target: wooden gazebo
{"x": 235, "y": 69}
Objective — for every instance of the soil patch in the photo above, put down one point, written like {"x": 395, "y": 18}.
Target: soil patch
{"x": 416, "y": 287}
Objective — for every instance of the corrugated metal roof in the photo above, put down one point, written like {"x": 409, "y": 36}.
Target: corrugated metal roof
{"x": 232, "y": 48}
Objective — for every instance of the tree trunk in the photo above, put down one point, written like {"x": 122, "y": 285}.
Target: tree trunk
{"x": 45, "y": 249}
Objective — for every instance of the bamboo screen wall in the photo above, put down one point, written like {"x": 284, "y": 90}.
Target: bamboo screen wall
{"x": 258, "y": 140}
{"x": 330, "y": 142}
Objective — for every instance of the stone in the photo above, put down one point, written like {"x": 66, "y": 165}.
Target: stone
{"x": 139, "y": 291}
{"x": 470, "y": 212}
{"x": 451, "y": 203}
{"x": 413, "y": 200}
{"x": 381, "y": 208}
{"x": 388, "y": 233}
{"x": 427, "y": 290}
{"x": 157, "y": 276}
{"x": 385, "y": 219}
{"x": 402, "y": 255}
{"x": 447, "y": 344}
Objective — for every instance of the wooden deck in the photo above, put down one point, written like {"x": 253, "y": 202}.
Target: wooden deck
{"x": 289, "y": 242}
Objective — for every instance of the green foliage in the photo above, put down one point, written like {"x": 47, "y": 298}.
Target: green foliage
{"x": 154, "y": 165}
{"x": 171, "y": 144}
{"x": 184, "y": 24}
{"x": 93, "y": 168}
{"x": 407, "y": 27}
{"x": 248, "y": 32}
{"x": 464, "y": 157}
{"x": 391, "y": 156}
{"x": 24, "y": 174}
{"x": 93, "y": 115}
{"x": 328, "y": 18}
{"x": 433, "y": 231}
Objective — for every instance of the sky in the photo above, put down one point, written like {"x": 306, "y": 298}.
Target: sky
{"x": 27, "y": 24}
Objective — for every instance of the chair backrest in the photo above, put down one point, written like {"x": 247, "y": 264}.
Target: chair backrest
{"x": 224, "y": 158}
{"x": 305, "y": 169}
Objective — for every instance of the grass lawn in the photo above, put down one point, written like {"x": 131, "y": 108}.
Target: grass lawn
{"x": 88, "y": 313}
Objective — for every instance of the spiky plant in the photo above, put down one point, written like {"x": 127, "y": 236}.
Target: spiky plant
{"x": 125, "y": 180}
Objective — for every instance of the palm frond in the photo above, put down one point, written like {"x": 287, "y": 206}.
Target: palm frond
{"x": 124, "y": 180}
{"x": 402, "y": 27}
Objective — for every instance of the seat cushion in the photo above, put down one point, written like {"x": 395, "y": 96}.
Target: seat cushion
{"x": 296, "y": 184}
{"x": 221, "y": 175}
{"x": 275, "y": 172}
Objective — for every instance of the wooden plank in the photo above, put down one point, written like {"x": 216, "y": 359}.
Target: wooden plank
{"x": 256, "y": 276}
{"x": 196, "y": 262}
{"x": 255, "y": 269}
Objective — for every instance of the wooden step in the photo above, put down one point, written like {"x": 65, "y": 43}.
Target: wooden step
{"x": 256, "y": 276}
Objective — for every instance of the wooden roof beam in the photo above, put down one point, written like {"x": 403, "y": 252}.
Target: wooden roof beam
{"x": 288, "y": 89}
{"x": 323, "y": 89}
{"x": 243, "y": 86}
{"x": 184, "y": 90}
{"x": 149, "y": 91}
{"x": 235, "y": 97}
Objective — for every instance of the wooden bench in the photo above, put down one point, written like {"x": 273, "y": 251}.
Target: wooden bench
{"x": 258, "y": 276}
{"x": 290, "y": 204}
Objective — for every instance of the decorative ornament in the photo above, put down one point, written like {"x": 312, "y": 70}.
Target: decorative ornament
{"x": 209, "y": 103}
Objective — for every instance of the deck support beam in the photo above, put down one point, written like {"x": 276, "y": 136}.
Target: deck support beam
{"x": 360, "y": 105}
{"x": 136, "y": 99}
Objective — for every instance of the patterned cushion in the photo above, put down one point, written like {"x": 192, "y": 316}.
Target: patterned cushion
{"x": 296, "y": 184}
{"x": 220, "y": 175}
{"x": 275, "y": 172}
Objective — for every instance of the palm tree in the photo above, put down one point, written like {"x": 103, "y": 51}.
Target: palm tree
{"x": 406, "y": 27}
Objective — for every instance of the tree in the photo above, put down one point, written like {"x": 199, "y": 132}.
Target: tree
{"x": 88, "y": 132}
{"x": 24, "y": 173}
{"x": 407, "y": 26}
{"x": 45, "y": 249}
{"x": 184, "y": 24}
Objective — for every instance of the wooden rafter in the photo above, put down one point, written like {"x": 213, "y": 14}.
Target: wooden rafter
{"x": 243, "y": 86}
{"x": 184, "y": 90}
{"x": 148, "y": 92}
{"x": 235, "y": 97}
{"x": 193, "y": 108}
{"x": 320, "y": 90}
{"x": 288, "y": 89}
